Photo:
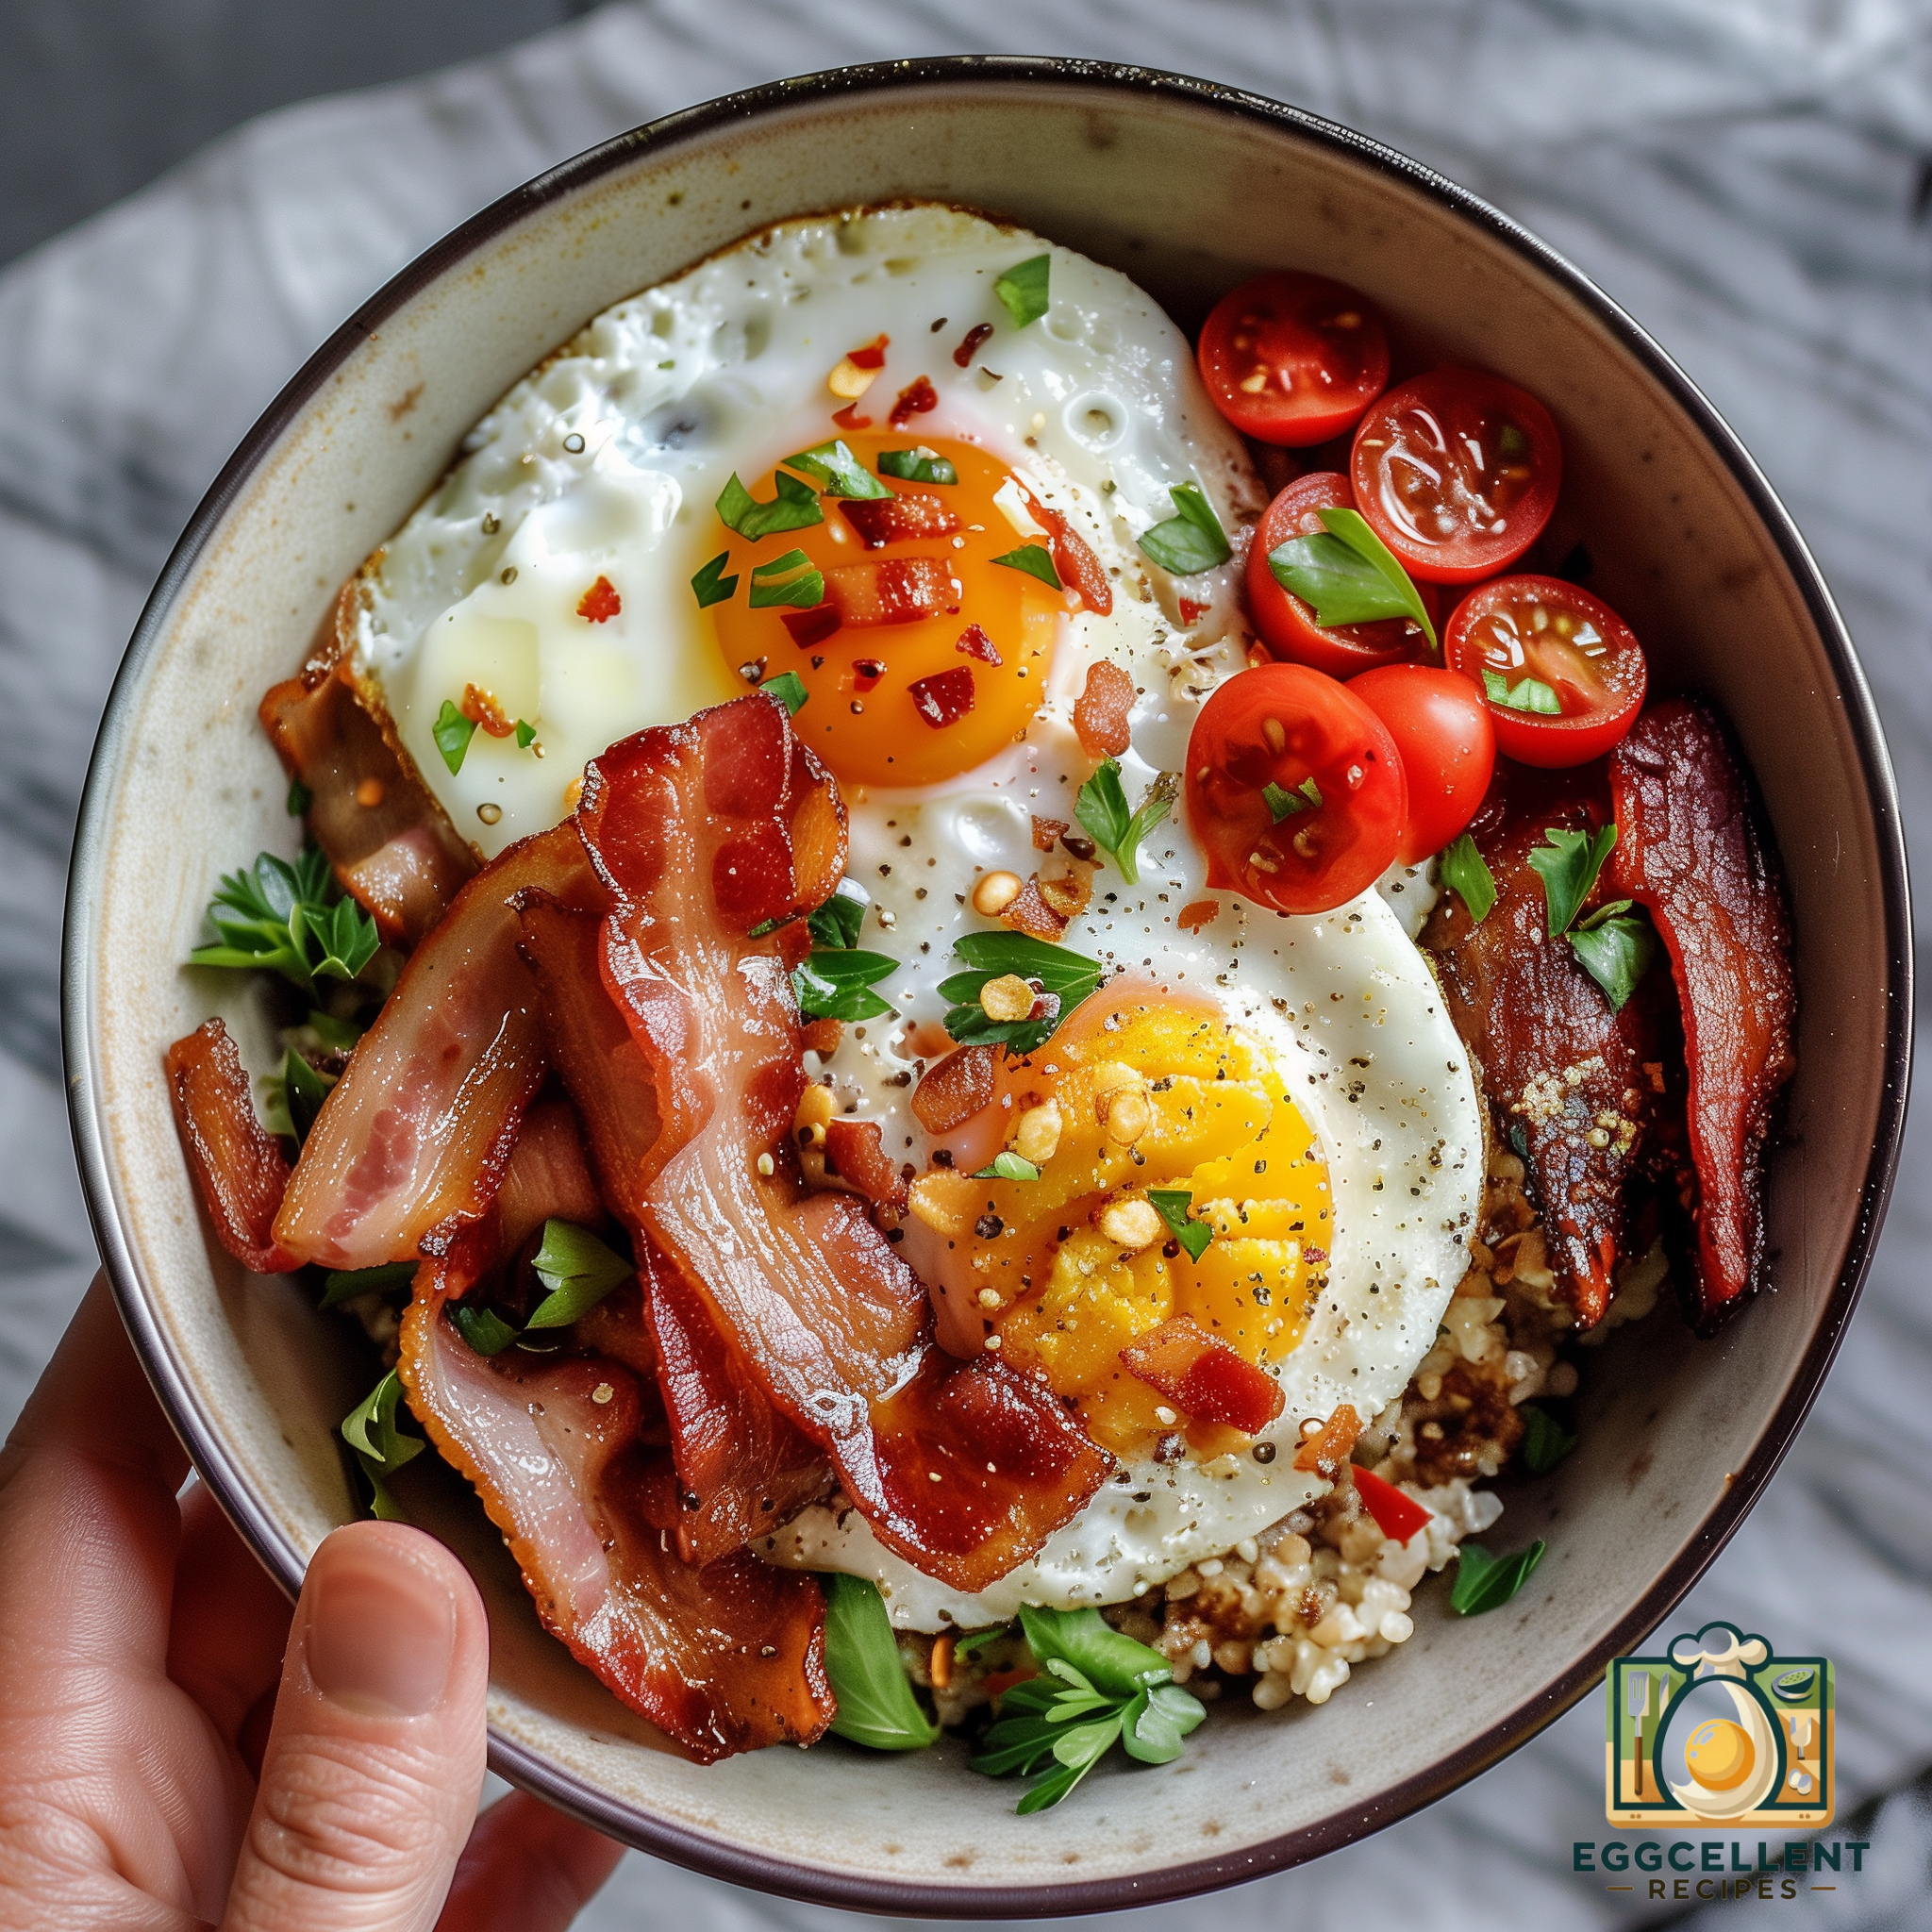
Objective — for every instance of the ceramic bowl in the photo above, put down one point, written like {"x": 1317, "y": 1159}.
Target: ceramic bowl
{"x": 1188, "y": 187}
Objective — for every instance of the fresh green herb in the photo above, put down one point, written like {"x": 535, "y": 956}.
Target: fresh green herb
{"x": 300, "y": 798}
{"x": 484, "y": 1329}
{"x": 1615, "y": 945}
{"x": 975, "y": 1639}
{"x": 1466, "y": 871}
{"x": 1096, "y": 1688}
{"x": 712, "y": 586}
{"x": 337, "y": 1036}
{"x": 837, "y": 470}
{"x": 838, "y": 922}
{"x": 370, "y": 1429}
{"x": 1023, "y": 289}
{"x": 1484, "y": 1582}
{"x": 794, "y": 507}
{"x": 1545, "y": 1440}
{"x": 1101, "y": 809}
{"x": 876, "y": 1707}
{"x": 452, "y": 732}
{"x": 1281, "y": 803}
{"x": 1527, "y": 694}
{"x": 1172, "y": 1204}
{"x": 526, "y": 734}
{"x": 578, "y": 1270}
{"x": 1569, "y": 865}
{"x": 289, "y": 919}
{"x": 789, "y": 688}
{"x": 836, "y": 985}
{"x": 1036, "y": 560}
{"x": 344, "y": 1284}
{"x": 1191, "y": 539}
{"x": 788, "y": 579}
{"x": 1069, "y": 976}
{"x": 1007, "y": 1166}
{"x": 1349, "y": 575}
{"x": 296, "y": 1095}
{"x": 920, "y": 465}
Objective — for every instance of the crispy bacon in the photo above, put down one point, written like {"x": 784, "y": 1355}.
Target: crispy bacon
{"x": 1102, "y": 709}
{"x": 239, "y": 1167}
{"x": 943, "y": 698}
{"x": 548, "y": 1173}
{"x": 1568, "y": 1080}
{"x": 891, "y": 590}
{"x": 1080, "y": 571}
{"x": 953, "y": 1089}
{"x": 963, "y": 1469}
{"x": 414, "y": 1136}
{"x": 1202, "y": 1377}
{"x": 1028, "y": 911}
{"x": 725, "y": 1658}
{"x": 1327, "y": 1449}
{"x": 390, "y": 843}
{"x": 882, "y": 520}
{"x": 1689, "y": 850}
{"x": 856, "y": 1152}
{"x": 813, "y": 626}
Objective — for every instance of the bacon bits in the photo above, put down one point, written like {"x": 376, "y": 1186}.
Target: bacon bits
{"x": 882, "y": 520}
{"x": 1327, "y": 1449}
{"x": 893, "y": 590}
{"x": 1046, "y": 831}
{"x": 601, "y": 601}
{"x": 1080, "y": 570}
{"x": 943, "y": 698}
{"x": 239, "y": 1167}
{"x": 1028, "y": 911}
{"x": 1196, "y": 914}
{"x": 813, "y": 626}
{"x": 976, "y": 644}
{"x": 1101, "y": 712}
{"x": 481, "y": 708}
{"x": 915, "y": 399}
{"x": 1202, "y": 1377}
{"x": 953, "y": 1089}
{"x": 969, "y": 346}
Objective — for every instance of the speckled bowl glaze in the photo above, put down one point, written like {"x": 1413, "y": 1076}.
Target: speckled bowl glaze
{"x": 1188, "y": 187}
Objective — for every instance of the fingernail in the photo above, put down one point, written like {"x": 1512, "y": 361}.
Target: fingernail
{"x": 380, "y": 1638}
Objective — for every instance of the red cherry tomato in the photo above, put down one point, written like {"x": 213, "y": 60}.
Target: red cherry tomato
{"x": 1287, "y": 625}
{"x": 1549, "y": 634}
{"x": 1294, "y": 358}
{"x": 1458, "y": 472}
{"x": 1294, "y": 790}
{"x": 1441, "y": 731}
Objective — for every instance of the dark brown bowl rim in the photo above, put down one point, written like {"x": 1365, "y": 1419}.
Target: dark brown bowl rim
{"x": 517, "y": 1762}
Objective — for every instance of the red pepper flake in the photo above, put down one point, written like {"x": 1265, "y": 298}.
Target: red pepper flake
{"x": 1191, "y": 613}
{"x": 872, "y": 357}
{"x": 915, "y": 399}
{"x": 969, "y": 347}
{"x": 976, "y": 644}
{"x": 849, "y": 418}
{"x": 866, "y": 673}
{"x": 943, "y": 698}
{"x": 1201, "y": 912}
{"x": 813, "y": 626}
{"x": 1396, "y": 1514}
{"x": 601, "y": 601}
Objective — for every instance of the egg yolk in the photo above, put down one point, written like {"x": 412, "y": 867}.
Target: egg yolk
{"x": 924, "y": 656}
{"x": 1719, "y": 1755}
{"x": 1067, "y": 1294}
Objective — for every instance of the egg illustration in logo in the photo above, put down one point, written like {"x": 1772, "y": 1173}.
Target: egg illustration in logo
{"x": 1719, "y": 1749}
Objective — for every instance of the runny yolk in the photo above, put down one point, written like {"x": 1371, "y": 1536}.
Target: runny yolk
{"x": 885, "y": 703}
{"x": 1220, "y": 1124}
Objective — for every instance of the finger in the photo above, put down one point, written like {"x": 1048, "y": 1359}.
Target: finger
{"x": 526, "y": 1869}
{"x": 230, "y": 1620}
{"x": 376, "y": 1758}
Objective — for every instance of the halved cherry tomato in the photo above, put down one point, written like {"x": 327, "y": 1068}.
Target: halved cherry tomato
{"x": 1441, "y": 731}
{"x": 1458, "y": 472}
{"x": 1287, "y": 625}
{"x": 1540, "y": 640}
{"x": 1294, "y": 358}
{"x": 1294, "y": 790}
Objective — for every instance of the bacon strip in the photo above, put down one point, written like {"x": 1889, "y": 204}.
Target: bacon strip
{"x": 239, "y": 1167}
{"x": 1202, "y": 1377}
{"x": 414, "y": 1136}
{"x": 963, "y": 1469}
{"x": 1079, "y": 569}
{"x": 1689, "y": 850}
{"x": 891, "y": 590}
{"x": 725, "y": 1658}
{"x": 882, "y": 520}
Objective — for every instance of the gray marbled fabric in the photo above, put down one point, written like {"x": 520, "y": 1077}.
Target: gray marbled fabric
{"x": 1749, "y": 177}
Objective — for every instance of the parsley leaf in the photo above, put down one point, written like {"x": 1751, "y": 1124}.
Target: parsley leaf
{"x": 712, "y": 586}
{"x": 1529, "y": 694}
{"x": 452, "y": 732}
{"x": 1545, "y": 1440}
{"x": 381, "y": 1448}
{"x": 1466, "y": 871}
{"x": 578, "y": 1270}
{"x": 789, "y": 688}
{"x": 300, "y": 798}
{"x": 1172, "y": 1204}
{"x": 290, "y": 918}
{"x": 840, "y": 919}
{"x": 794, "y": 507}
{"x": 1281, "y": 803}
{"x": 344, "y": 1284}
{"x": 1484, "y": 1582}
{"x": 1191, "y": 539}
{"x": 1101, "y": 809}
{"x": 1023, "y": 289}
{"x": 1067, "y": 977}
{"x": 1036, "y": 560}
{"x": 920, "y": 465}
{"x": 1615, "y": 945}
{"x": 836, "y": 985}
{"x": 837, "y": 470}
{"x": 788, "y": 579}
{"x": 876, "y": 1707}
{"x": 1007, "y": 1166}
{"x": 484, "y": 1329}
{"x": 296, "y": 1096}
{"x": 1349, "y": 575}
{"x": 1569, "y": 865}
{"x": 526, "y": 734}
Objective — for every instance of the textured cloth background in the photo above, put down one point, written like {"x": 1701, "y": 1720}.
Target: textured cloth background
{"x": 1749, "y": 177}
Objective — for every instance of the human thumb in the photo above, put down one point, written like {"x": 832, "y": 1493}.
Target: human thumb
{"x": 376, "y": 1760}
